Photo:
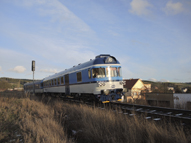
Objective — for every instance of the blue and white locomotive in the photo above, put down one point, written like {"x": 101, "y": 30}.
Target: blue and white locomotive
{"x": 99, "y": 78}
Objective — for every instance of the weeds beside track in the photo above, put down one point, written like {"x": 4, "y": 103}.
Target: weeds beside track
{"x": 44, "y": 119}
{"x": 29, "y": 121}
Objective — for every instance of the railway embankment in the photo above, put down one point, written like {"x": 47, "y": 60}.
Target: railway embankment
{"x": 27, "y": 118}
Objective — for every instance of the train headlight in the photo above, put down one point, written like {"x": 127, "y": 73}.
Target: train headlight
{"x": 122, "y": 82}
{"x": 101, "y": 83}
{"x": 106, "y": 92}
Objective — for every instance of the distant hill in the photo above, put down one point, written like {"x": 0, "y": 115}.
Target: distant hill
{"x": 6, "y": 83}
{"x": 13, "y": 83}
{"x": 166, "y": 84}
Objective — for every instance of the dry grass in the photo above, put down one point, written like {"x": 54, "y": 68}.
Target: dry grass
{"x": 96, "y": 125}
{"x": 25, "y": 120}
{"x": 45, "y": 119}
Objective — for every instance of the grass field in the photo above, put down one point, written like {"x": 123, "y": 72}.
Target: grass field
{"x": 25, "y": 118}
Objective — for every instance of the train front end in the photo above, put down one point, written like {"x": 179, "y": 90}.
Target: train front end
{"x": 110, "y": 91}
{"x": 109, "y": 79}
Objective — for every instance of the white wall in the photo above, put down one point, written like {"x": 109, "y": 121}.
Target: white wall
{"x": 139, "y": 85}
{"x": 181, "y": 99}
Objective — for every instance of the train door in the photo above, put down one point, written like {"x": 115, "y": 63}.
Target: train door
{"x": 67, "y": 87}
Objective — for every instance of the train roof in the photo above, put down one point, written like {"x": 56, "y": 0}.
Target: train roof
{"x": 35, "y": 82}
{"x": 100, "y": 59}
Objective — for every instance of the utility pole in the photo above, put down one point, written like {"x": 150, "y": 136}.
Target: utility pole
{"x": 33, "y": 69}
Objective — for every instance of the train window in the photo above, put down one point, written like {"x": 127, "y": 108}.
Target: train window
{"x": 111, "y": 72}
{"x": 54, "y": 81}
{"x": 110, "y": 60}
{"x": 62, "y": 80}
{"x": 58, "y": 79}
{"x": 49, "y": 82}
{"x": 119, "y": 71}
{"x": 98, "y": 72}
{"x": 79, "y": 76}
{"x": 67, "y": 79}
{"x": 89, "y": 73}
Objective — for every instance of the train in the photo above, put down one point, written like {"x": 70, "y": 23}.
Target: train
{"x": 98, "y": 79}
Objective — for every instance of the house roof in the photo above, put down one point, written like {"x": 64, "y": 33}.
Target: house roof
{"x": 130, "y": 83}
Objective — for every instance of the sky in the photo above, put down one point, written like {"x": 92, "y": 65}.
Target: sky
{"x": 150, "y": 38}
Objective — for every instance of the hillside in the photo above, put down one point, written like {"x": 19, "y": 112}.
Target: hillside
{"x": 6, "y": 83}
{"x": 164, "y": 85}
{"x": 180, "y": 84}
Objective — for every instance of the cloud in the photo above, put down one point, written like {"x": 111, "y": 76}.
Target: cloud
{"x": 18, "y": 69}
{"x": 113, "y": 33}
{"x": 15, "y": 58}
{"x": 140, "y": 43}
{"x": 29, "y": 73}
{"x": 1, "y": 71}
{"x": 164, "y": 80}
{"x": 153, "y": 79}
{"x": 173, "y": 8}
{"x": 67, "y": 38}
{"x": 58, "y": 14}
{"x": 140, "y": 7}
{"x": 49, "y": 70}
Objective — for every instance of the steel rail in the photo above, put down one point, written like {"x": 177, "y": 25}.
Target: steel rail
{"x": 150, "y": 112}
{"x": 178, "y": 115}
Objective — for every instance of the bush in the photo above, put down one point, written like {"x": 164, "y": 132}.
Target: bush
{"x": 4, "y": 85}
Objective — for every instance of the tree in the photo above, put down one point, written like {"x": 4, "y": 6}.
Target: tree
{"x": 177, "y": 89}
{"x": 188, "y": 90}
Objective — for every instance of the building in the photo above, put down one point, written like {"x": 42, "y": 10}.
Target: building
{"x": 160, "y": 99}
{"x": 148, "y": 87}
{"x": 182, "y": 100}
{"x": 18, "y": 89}
{"x": 184, "y": 90}
{"x": 171, "y": 88}
{"x": 134, "y": 87}
{"x": 172, "y": 100}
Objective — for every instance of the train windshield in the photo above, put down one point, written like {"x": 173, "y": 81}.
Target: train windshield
{"x": 113, "y": 71}
{"x": 119, "y": 71}
{"x": 98, "y": 72}
{"x": 106, "y": 72}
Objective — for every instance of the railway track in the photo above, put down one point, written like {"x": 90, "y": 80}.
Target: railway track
{"x": 155, "y": 113}
{"x": 180, "y": 116}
